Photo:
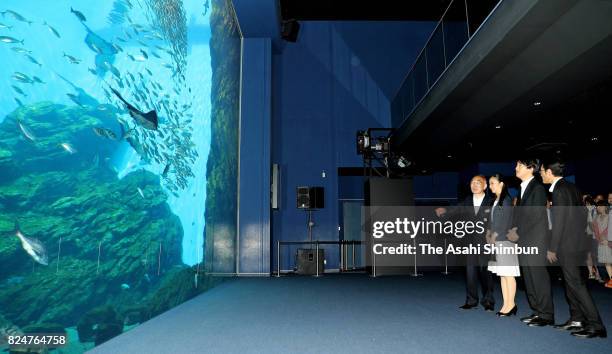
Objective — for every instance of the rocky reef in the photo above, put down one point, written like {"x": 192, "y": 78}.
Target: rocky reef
{"x": 113, "y": 246}
{"x": 222, "y": 164}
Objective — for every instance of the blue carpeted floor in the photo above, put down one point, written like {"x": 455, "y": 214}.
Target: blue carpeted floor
{"x": 351, "y": 314}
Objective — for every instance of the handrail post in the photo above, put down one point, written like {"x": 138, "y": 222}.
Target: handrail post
{"x": 353, "y": 255}
{"x": 278, "y": 259}
{"x": 317, "y": 257}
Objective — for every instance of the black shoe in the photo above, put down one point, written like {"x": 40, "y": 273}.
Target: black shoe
{"x": 590, "y": 333}
{"x": 488, "y": 307}
{"x": 467, "y": 306}
{"x": 540, "y": 322}
{"x": 509, "y": 313}
{"x": 569, "y": 326}
{"x": 529, "y": 318}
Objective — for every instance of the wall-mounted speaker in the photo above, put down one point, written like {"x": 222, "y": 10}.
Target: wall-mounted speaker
{"x": 310, "y": 197}
{"x": 289, "y": 30}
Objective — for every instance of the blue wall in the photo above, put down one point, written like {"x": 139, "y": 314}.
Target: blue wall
{"x": 321, "y": 96}
{"x": 386, "y": 48}
{"x": 335, "y": 80}
{"x": 255, "y": 129}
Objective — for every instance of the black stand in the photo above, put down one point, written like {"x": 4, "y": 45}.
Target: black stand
{"x": 310, "y": 225}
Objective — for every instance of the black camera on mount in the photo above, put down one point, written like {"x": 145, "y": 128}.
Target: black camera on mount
{"x": 368, "y": 144}
{"x": 363, "y": 142}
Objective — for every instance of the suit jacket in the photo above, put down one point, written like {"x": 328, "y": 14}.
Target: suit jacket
{"x": 465, "y": 211}
{"x": 569, "y": 220}
{"x": 501, "y": 218}
{"x": 530, "y": 217}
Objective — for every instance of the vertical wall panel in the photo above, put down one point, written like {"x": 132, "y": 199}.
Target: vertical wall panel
{"x": 255, "y": 164}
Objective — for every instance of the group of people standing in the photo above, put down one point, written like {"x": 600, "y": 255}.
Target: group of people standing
{"x": 599, "y": 229}
{"x": 558, "y": 231}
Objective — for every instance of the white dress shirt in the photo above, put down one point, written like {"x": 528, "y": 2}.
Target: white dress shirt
{"x": 493, "y": 208}
{"x": 524, "y": 186}
{"x": 477, "y": 202}
{"x": 552, "y": 186}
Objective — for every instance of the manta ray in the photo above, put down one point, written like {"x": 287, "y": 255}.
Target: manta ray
{"x": 146, "y": 120}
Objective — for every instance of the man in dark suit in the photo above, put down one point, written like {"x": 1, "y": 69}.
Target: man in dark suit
{"x": 530, "y": 229}
{"x": 475, "y": 207}
{"x": 569, "y": 245}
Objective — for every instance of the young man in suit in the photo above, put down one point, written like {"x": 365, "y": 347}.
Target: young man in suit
{"x": 475, "y": 207}
{"x": 568, "y": 246}
{"x": 530, "y": 229}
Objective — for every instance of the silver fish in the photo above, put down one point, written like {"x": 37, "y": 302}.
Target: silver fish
{"x": 53, "y": 30}
{"x": 7, "y": 39}
{"x": 78, "y": 14}
{"x": 68, "y": 148}
{"x": 96, "y": 49}
{"x": 32, "y": 246}
{"x": 21, "y": 50}
{"x": 2, "y": 25}
{"x": 105, "y": 133}
{"x": 16, "y": 16}
{"x": 18, "y": 90}
{"x": 74, "y": 99}
{"x": 25, "y": 131}
{"x": 21, "y": 77}
{"x": 72, "y": 59}
{"x": 115, "y": 72}
{"x": 33, "y": 60}
{"x": 166, "y": 169}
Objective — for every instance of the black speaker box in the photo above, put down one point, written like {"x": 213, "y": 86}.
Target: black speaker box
{"x": 290, "y": 30}
{"x": 310, "y": 197}
{"x": 305, "y": 261}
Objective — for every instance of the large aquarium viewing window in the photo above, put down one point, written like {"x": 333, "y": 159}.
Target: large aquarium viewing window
{"x": 118, "y": 161}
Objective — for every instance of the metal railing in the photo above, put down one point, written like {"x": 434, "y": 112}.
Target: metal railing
{"x": 459, "y": 23}
{"x": 343, "y": 249}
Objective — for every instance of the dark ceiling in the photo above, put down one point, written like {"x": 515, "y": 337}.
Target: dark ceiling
{"x": 361, "y": 10}
{"x": 575, "y": 128}
{"x": 545, "y": 89}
